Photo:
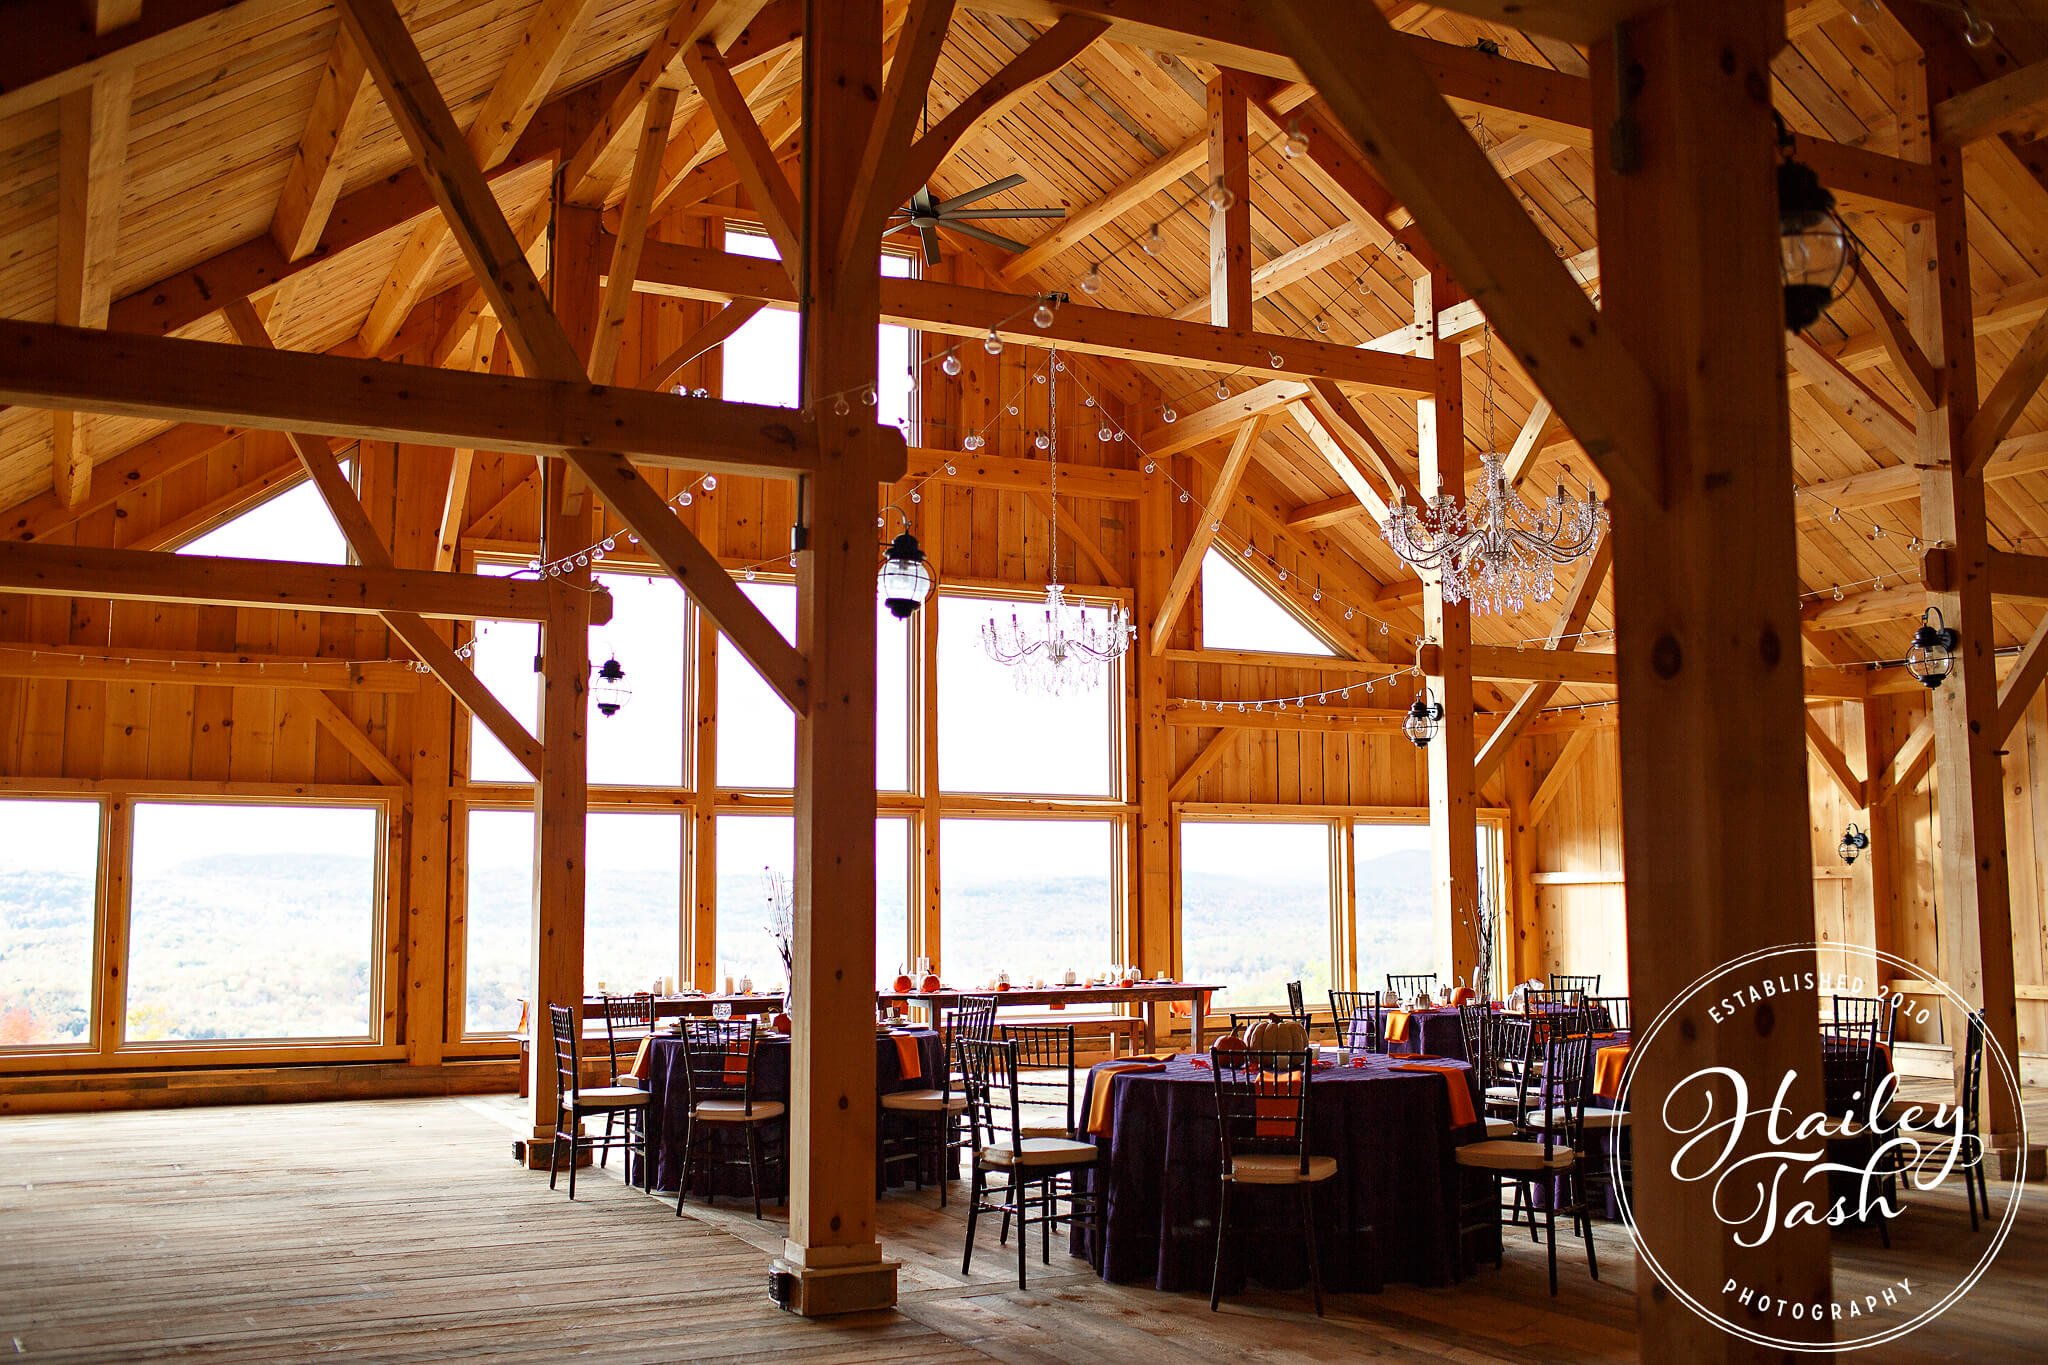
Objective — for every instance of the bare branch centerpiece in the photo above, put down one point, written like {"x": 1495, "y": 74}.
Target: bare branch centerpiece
{"x": 781, "y": 897}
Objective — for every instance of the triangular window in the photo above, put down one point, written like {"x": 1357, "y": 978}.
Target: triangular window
{"x": 1239, "y": 612}
{"x": 292, "y": 525}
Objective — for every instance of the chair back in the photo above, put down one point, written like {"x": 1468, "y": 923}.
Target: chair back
{"x": 1610, "y": 1012}
{"x": 1516, "y": 1047}
{"x": 1475, "y": 1022}
{"x": 1361, "y": 1019}
{"x": 1405, "y": 988}
{"x": 1295, "y": 1006}
{"x": 562, "y": 1023}
{"x": 718, "y": 1060}
{"x": 627, "y": 1019}
{"x": 1881, "y": 1011}
{"x": 1973, "y": 1074}
{"x": 1848, "y": 1062}
{"x": 975, "y": 1017}
{"x": 1566, "y": 1010}
{"x": 1044, "y": 1071}
{"x": 1566, "y": 1078}
{"x": 1261, "y": 1104}
{"x": 992, "y": 1103}
{"x": 1584, "y": 985}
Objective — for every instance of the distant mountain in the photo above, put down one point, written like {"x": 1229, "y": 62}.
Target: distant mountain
{"x": 1402, "y": 868}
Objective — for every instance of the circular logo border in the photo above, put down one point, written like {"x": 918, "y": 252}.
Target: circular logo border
{"x": 1919, "y": 1320}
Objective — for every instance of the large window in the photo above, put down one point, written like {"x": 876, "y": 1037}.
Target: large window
{"x": 497, "y": 942}
{"x": 757, "y": 733}
{"x": 1237, "y": 613}
{"x": 1256, "y": 903}
{"x": 632, "y": 920}
{"x": 996, "y": 737}
{"x": 1396, "y": 915}
{"x": 892, "y": 898}
{"x": 49, "y": 878}
{"x": 1033, "y": 898}
{"x": 750, "y": 847}
{"x": 293, "y": 525}
{"x": 252, "y": 922}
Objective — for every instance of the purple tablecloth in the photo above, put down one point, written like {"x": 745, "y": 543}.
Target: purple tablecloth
{"x": 668, "y": 1111}
{"x": 1389, "y": 1214}
{"x": 1437, "y": 1032}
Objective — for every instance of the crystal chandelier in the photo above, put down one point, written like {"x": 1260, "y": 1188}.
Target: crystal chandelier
{"x": 1495, "y": 551}
{"x": 1064, "y": 652}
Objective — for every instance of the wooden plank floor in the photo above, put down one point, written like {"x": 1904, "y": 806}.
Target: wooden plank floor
{"x": 400, "y": 1230}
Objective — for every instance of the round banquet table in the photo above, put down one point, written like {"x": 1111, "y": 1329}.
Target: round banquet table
{"x": 1437, "y": 1032}
{"x": 1388, "y": 1215}
{"x": 668, "y": 1110}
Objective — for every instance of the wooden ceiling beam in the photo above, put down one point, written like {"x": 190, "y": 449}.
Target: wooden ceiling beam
{"x": 1472, "y": 218}
{"x": 2016, "y": 693}
{"x": 1831, "y": 757}
{"x": 1230, "y": 222}
{"x": 1222, "y": 492}
{"x": 1909, "y": 363}
{"x": 201, "y": 381}
{"x": 186, "y": 669}
{"x": 1068, "y": 38}
{"x": 47, "y": 53}
{"x": 1297, "y": 263}
{"x": 986, "y": 469}
{"x": 2016, "y": 456}
{"x": 1864, "y": 413}
{"x": 711, "y": 334}
{"x": 626, "y": 247}
{"x": 773, "y": 197}
{"x": 906, "y": 92}
{"x": 962, "y": 310}
{"x": 2008, "y": 398}
{"x": 92, "y": 149}
{"x": 207, "y": 580}
{"x": 545, "y": 348}
{"x": 341, "y": 105}
{"x": 1871, "y": 606}
{"x": 2016, "y": 103}
{"x": 1220, "y": 418}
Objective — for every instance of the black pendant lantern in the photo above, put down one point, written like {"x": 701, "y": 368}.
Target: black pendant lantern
{"x": 1423, "y": 718}
{"x": 905, "y": 580}
{"x": 1815, "y": 248}
{"x": 1854, "y": 841}
{"x": 1934, "y": 649}
{"x": 607, "y": 694}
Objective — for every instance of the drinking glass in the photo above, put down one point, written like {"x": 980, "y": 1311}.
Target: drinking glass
{"x": 721, "y": 1011}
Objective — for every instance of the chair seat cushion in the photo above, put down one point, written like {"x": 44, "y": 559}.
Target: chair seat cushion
{"x": 1280, "y": 1170}
{"x": 626, "y": 1080}
{"x": 925, "y": 1102}
{"x": 1502, "y": 1092}
{"x": 1504, "y": 1155}
{"x": 1041, "y": 1151}
{"x": 733, "y": 1111}
{"x": 1045, "y": 1128}
{"x": 1593, "y": 1120}
{"x": 608, "y": 1097}
{"x": 1499, "y": 1128}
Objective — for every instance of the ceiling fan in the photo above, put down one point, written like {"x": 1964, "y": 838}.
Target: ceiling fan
{"x": 927, "y": 215}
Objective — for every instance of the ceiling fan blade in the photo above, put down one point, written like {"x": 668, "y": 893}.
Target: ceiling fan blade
{"x": 954, "y": 215}
{"x": 1008, "y": 182}
{"x": 904, "y": 226}
{"x": 1009, "y": 244}
{"x": 931, "y": 243}
{"x": 921, "y": 204}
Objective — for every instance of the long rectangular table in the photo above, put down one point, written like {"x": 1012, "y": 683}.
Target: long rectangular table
{"x": 1148, "y": 995}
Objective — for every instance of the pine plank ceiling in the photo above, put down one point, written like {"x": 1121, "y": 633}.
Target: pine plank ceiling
{"x": 215, "y": 125}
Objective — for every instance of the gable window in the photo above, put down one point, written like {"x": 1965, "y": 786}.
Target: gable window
{"x": 293, "y": 525}
{"x": 1239, "y": 613}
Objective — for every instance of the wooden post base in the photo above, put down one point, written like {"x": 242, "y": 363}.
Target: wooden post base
{"x": 829, "y": 1291}
{"x": 534, "y": 1153}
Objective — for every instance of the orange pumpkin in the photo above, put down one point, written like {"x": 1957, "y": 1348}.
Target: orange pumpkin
{"x": 1002, "y": 985}
{"x": 903, "y": 985}
{"x": 1464, "y": 995}
{"x": 1230, "y": 1050}
{"x": 931, "y": 982}
{"x": 1274, "y": 1034}
{"x": 781, "y": 1024}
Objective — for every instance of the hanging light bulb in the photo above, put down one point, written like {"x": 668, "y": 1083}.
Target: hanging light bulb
{"x": 951, "y": 363}
{"x": 1222, "y": 390}
{"x": 1423, "y": 718}
{"x": 1854, "y": 841}
{"x": 1296, "y": 146}
{"x": 606, "y": 693}
{"x": 1153, "y": 241}
{"x": 1041, "y": 441}
{"x": 905, "y": 578}
{"x": 1221, "y": 197}
{"x": 1103, "y": 433}
{"x": 1934, "y": 649}
{"x": 1977, "y": 30}
{"x": 710, "y": 483}
{"x": 971, "y": 441}
{"x": 992, "y": 343}
{"x": 1168, "y": 415}
{"x": 1041, "y": 316}
{"x": 1091, "y": 282}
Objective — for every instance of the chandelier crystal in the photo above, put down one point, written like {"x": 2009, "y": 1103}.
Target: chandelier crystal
{"x": 1495, "y": 550}
{"x": 1062, "y": 652}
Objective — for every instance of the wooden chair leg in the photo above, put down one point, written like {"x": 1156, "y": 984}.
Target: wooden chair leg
{"x": 1222, "y": 1222}
{"x": 683, "y": 1179}
{"x": 754, "y": 1164}
{"x": 1550, "y": 1239}
{"x": 575, "y": 1133}
{"x": 555, "y": 1152}
{"x": 973, "y": 1211}
{"x": 1308, "y": 1230}
{"x": 1020, "y": 1196}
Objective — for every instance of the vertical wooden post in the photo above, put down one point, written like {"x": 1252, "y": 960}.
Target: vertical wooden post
{"x": 927, "y": 937}
{"x": 1230, "y": 229}
{"x": 1713, "y": 756}
{"x": 1513, "y": 951}
{"x": 561, "y": 796}
{"x": 426, "y": 912}
{"x": 1453, "y": 804}
{"x": 1975, "y": 907}
{"x": 831, "y": 1262}
{"x": 1154, "y": 920}
{"x": 702, "y": 964}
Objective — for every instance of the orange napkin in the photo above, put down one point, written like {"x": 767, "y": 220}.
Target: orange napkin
{"x": 642, "y": 1059}
{"x": 1608, "y": 1065}
{"x": 1273, "y": 1116}
{"x": 1454, "y": 1078}
{"x": 1185, "y": 1009}
{"x": 908, "y": 1056}
{"x": 1397, "y": 1026}
{"x": 1098, "y": 1091}
{"x": 736, "y": 1063}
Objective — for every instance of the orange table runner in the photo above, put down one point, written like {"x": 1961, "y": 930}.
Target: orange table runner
{"x": 642, "y": 1059}
{"x": 1608, "y": 1065}
{"x": 1455, "y": 1079}
{"x": 1098, "y": 1089}
{"x": 736, "y": 1061}
{"x": 908, "y": 1055}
